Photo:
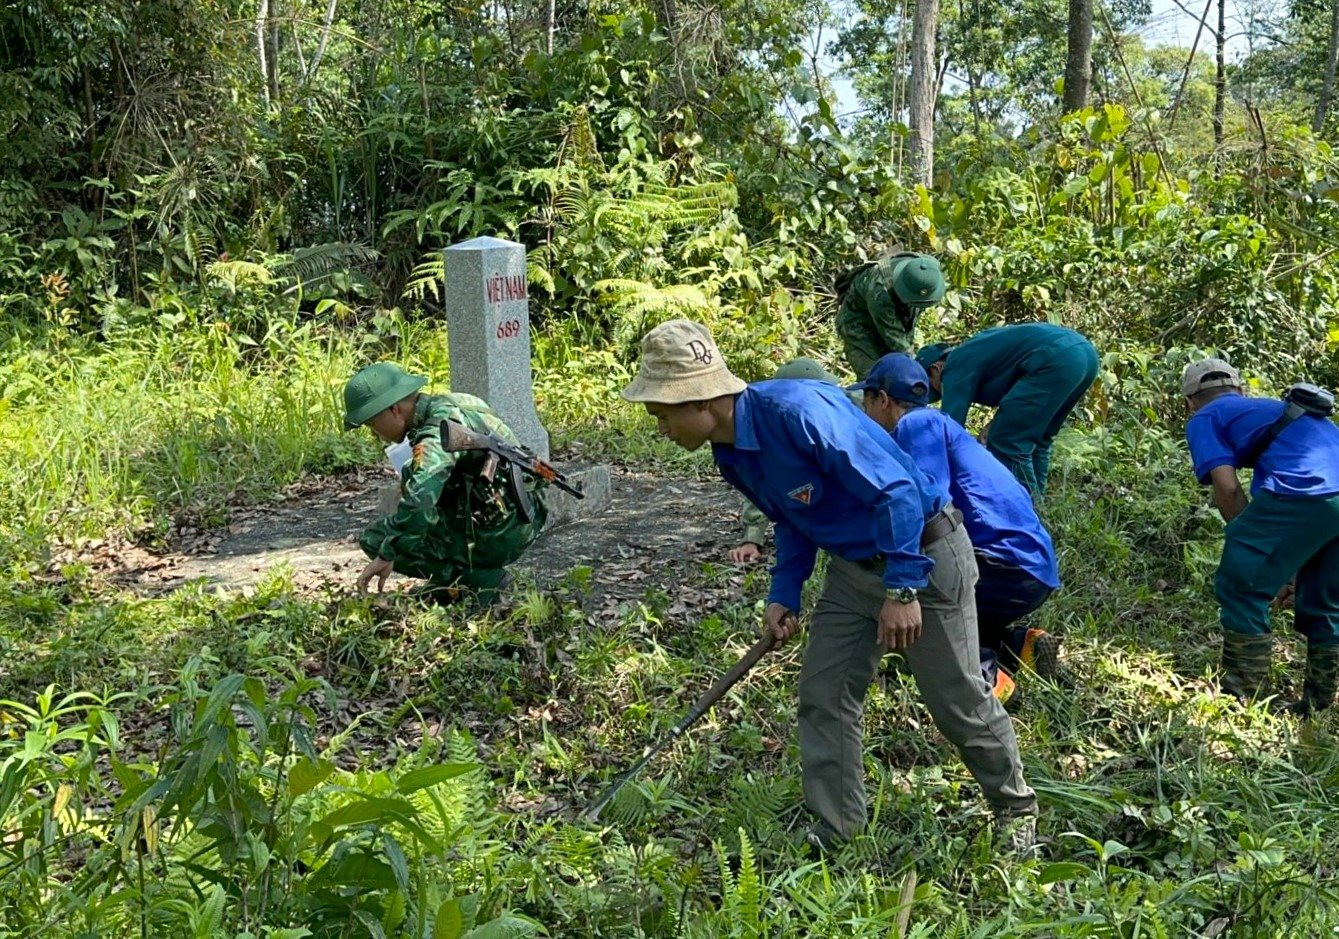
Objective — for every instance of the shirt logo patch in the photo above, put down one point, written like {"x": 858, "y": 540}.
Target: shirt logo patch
{"x": 419, "y": 454}
{"x": 802, "y": 494}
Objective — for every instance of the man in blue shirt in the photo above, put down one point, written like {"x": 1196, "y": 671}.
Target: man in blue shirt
{"x": 756, "y": 525}
{"x": 1289, "y": 528}
{"x": 900, "y": 570}
{"x": 1013, "y": 549}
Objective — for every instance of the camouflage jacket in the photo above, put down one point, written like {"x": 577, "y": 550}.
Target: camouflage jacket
{"x": 756, "y": 524}
{"x": 439, "y": 490}
{"x": 869, "y": 310}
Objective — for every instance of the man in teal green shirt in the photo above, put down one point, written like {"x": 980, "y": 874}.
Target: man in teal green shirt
{"x": 1033, "y": 373}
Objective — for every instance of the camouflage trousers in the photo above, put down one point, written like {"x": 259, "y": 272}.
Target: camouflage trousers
{"x": 1273, "y": 540}
{"x": 461, "y": 553}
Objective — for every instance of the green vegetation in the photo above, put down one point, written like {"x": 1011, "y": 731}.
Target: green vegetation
{"x": 198, "y": 244}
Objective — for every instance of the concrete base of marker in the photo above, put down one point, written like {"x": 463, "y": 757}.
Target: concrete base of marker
{"x": 590, "y": 478}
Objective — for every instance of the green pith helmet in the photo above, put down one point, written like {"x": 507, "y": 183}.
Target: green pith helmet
{"x": 376, "y": 388}
{"x": 805, "y": 367}
{"x": 918, "y": 280}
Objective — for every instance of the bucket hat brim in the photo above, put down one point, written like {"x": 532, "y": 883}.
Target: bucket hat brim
{"x": 645, "y": 389}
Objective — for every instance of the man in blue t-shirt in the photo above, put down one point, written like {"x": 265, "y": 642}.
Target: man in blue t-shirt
{"x": 900, "y": 567}
{"x": 1288, "y": 529}
{"x": 1013, "y": 549}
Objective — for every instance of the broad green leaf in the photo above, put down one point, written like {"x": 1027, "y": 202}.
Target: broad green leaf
{"x": 306, "y": 775}
{"x": 382, "y": 811}
{"x": 417, "y": 779}
{"x": 396, "y": 856}
{"x": 449, "y": 922}
{"x": 1061, "y": 871}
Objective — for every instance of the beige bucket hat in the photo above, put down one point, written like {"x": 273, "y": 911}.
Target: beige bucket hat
{"x": 1209, "y": 373}
{"x": 681, "y": 362}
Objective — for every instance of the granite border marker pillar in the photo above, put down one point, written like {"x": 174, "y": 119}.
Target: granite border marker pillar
{"x": 488, "y": 332}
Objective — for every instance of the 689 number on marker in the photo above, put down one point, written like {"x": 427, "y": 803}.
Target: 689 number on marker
{"x": 509, "y": 329}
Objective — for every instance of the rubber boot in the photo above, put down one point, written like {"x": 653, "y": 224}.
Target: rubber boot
{"x": 1006, "y": 690}
{"x": 1246, "y": 662}
{"x": 487, "y": 584}
{"x": 1322, "y": 678}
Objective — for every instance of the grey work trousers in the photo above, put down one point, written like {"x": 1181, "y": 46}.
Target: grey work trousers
{"x": 840, "y": 660}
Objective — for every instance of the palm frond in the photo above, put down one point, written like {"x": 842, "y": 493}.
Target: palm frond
{"x": 317, "y": 262}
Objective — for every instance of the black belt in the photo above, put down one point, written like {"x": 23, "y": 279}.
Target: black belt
{"x": 948, "y": 519}
{"x": 936, "y": 527}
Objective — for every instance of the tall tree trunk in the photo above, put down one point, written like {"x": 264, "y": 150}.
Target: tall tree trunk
{"x": 262, "y": 16}
{"x": 1220, "y": 76}
{"x": 1331, "y": 62}
{"x": 1078, "y": 64}
{"x": 924, "y": 80}
{"x": 274, "y": 56}
{"x": 325, "y": 38}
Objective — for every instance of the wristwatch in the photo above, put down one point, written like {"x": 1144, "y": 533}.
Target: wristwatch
{"x": 901, "y": 594}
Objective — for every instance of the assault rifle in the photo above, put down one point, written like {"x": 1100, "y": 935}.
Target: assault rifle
{"x": 457, "y": 438}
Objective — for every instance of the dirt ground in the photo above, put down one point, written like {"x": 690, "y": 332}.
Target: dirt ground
{"x": 651, "y": 523}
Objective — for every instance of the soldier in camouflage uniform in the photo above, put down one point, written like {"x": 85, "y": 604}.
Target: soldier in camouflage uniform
{"x": 756, "y": 525}
{"x": 879, "y": 303}
{"x": 452, "y": 527}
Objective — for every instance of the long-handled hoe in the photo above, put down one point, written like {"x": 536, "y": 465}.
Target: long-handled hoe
{"x": 704, "y": 703}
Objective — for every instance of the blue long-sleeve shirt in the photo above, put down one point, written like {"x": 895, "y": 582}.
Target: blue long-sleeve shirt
{"x": 830, "y": 478}
{"x": 997, "y": 511}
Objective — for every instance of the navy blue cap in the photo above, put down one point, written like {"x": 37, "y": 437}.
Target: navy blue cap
{"x": 900, "y": 376}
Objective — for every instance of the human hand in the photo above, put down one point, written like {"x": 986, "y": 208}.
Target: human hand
{"x": 781, "y": 622}
{"x": 379, "y": 568}
{"x": 899, "y": 624}
{"x": 1284, "y": 600}
{"x": 746, "y": 553}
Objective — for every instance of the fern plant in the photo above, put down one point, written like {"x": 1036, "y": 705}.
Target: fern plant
{"x": 743, "y": 903}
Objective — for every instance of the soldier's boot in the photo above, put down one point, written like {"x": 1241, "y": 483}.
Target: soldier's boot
{"x": 1322, "y": 679}
{"x": 487, "y": 584}
{"x": 1246, "y": 662}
